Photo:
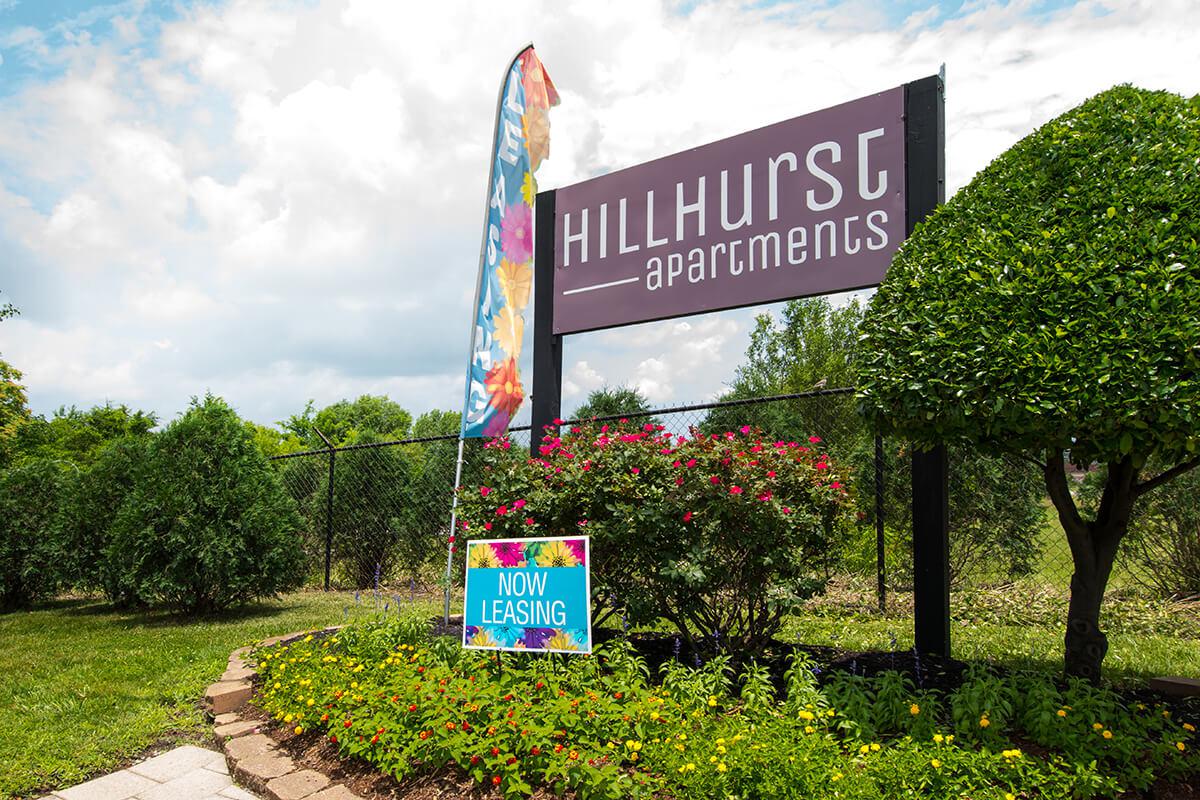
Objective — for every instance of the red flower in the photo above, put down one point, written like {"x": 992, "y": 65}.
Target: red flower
{"x": 412, "y": 707}
{"x": 519, "y": 504}
{"x": 765, "y": 496}
{"x": 770, "y": 473}
{"x": 487, "y": 526}
{"x": 735, "y": 489}
{"x": 529, "y": 520}
{"x": 687, "y": 517}
{"x": 535, "y": 750}
{"x": 395, "y": 698}
{"x": 679, "y": 481}
{"x": 814, "y": 439}
{"x": 503, "y": 383}
{"x": 451, "y": 539}
{"x": 512, "y": 760}
{"x": 501, "y": 511}
{"x": 333, "y": 738}
{"x": 558, "y": 748}
{"x": 822, "y": 465}
{"x": 424, "y": 735}
{"x": 347, "y": 724}
{"x": 484, "y": 491}
{"x": 541, "y": 685}
{"x": 495, "y": 751}
{"x": 474, "y": 760}
{"x": 691, "y": 463}
{"x": 375, "y": 739}
{"x": 324, "y": 718}
{"x": 714, "y": 480}
{"x": 495, "y": 780}
{"x": 635, "y": 470}
{"x": 835, "y": 485}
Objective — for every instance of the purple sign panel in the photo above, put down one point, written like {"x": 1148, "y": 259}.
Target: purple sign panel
{"x": 804, "y": 207}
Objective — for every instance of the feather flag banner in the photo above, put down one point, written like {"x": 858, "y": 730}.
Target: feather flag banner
{"x": 494, "y": 391}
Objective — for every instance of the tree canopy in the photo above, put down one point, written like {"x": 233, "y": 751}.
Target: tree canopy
{"x": 609, "y": 401}
{"x": 1055, "y": 300}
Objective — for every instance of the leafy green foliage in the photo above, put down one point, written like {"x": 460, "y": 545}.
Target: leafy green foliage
{"x": 78, "y": 436}
{"x": 30, "y": 534}
{"x": 345, "y": 421}
{"x": 385, "y": 693}
{"x": 207, "y": 524}
{"x": 721, "y": 535}
{"x": 14, "y": 411}
{"x": 1055, "y": 300}
{"x": 92, "y": 497}
{"x": 613, "y": 401}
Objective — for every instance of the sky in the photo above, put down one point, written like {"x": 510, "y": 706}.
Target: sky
{"x": 281, "y": 201}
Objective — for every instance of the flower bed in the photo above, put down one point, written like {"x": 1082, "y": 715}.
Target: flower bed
{"x": 413, "y": 705}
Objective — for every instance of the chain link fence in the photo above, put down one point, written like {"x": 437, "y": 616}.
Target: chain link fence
{"x": 377, "y": 512}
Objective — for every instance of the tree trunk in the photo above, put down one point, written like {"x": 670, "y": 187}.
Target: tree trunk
{"x": 1093, "y": 551}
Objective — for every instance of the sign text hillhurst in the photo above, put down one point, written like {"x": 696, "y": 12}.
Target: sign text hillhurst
{"x": 803, "y": 207}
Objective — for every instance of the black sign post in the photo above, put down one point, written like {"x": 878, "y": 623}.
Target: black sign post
{"x": 925, "y": 180}
{"x": 547, "y": 345}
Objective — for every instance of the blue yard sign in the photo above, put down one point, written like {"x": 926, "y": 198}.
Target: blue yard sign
{"x": 528, "y": 595}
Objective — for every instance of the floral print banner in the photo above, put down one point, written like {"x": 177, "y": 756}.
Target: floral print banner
{"x": 528, "y": 595}
{"x": 494, "y": 391}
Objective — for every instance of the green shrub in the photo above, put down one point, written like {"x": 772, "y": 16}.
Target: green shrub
{"x": 721, "y": 534}
{"x": 208, "y": 524}
{"x": 30, "y": 533}
{"x": 94, "y": 496}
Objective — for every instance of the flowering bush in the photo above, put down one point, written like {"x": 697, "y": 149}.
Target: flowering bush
{"x": 409, "y": 705}
{"x": 719, "y": 534}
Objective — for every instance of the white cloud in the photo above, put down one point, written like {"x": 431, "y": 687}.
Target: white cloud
{"x": 281, "y": 201}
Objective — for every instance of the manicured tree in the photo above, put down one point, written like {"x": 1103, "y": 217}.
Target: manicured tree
{"x": 610, "y": 401}
{"x": 1052, "y": 309}
{"x": 31, "y": 550}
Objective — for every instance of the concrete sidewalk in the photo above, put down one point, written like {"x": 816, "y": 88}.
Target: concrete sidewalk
{"x": 185, "y": 773}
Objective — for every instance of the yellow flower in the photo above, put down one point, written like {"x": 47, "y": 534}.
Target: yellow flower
{"x": 938, "y": 738}
{"x": 510, "y": 331}
{"x": 949, "y": 738}
{"x": 874, "y": 747}
{"x": 561, "y": 641}
{"x": 288, "y": 718}
{"x": 984, "y": 722}
{"x": 914, "y": 709}
{"x": 1009, "y": 796}
{"x": 482, "y": 556}
{"x": 837, "y": 776}
{"x": 482, "y": 638}
{"x": 721, "y": 767}
{"x": 864, "y": 749}
{"x": 1062, "y": 712}
{"x": 809, "y": 729}
{"x": 1107, "y": 734}
{"x": 516, "y": 279}
{"x": 1011, "y": 753}
{"x": 310, "y": 701}
{"x": 1181, "y": 746}
{"x": 1187, "y": 726}
{"x": 1096, "y": 726}
{"x": 556, "y": 554}
{"x": 712, "y": 701}
{"x": 299, "y": 730}
{"x": 936, "y": 764}
{"x": 806, "y": 715}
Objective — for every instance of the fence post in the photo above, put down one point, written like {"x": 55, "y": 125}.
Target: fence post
{"x": 880, "y": 558}
{"x": 328, "y": 509}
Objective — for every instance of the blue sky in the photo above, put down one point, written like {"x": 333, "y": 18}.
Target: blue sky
{"x": 278, "y": 201}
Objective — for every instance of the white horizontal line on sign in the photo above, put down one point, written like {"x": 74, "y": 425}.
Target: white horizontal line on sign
{"x": 601, "y": 286}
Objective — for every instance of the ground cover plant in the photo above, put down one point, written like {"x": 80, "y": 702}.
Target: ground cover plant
{"x": 410, "y": 704}
{"x": 719, "y": 534}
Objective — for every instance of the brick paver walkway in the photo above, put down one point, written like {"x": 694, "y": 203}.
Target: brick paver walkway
{"x": 185, "y": 773}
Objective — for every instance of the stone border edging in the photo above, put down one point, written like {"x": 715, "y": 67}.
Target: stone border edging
{"x": 254, "y": 759}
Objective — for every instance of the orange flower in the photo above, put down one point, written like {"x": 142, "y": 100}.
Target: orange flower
{"x": 503, "y": 383}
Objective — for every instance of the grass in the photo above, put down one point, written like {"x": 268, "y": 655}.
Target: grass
{"x": 86, "y": 687}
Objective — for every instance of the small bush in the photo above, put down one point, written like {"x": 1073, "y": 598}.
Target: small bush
{"x": 30, "y": 533}
{"x": 208, "y": 524}
{"x": 721, "y": 534}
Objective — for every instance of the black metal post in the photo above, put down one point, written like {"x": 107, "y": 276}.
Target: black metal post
{"x": 925, "y": 179}
{"x": 328, "y": 509}
{"x": 547, "y": 346}
{"x": 880, "y": 555}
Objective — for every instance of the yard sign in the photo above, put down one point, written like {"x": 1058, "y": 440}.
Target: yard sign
{"x": 528, "y": 595}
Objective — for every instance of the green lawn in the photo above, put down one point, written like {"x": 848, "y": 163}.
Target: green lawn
{"x": 85, "y": 686}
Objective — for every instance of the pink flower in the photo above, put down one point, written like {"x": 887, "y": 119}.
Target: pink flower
{"x": 679, "y": 481}
{"x": 691, "y": 463}
{"x": 764, "y": 497}
{"x": 576, "y": 546}
{"x": 770, "y": 473}
{"x": 635, "y": 471}
{"x": 510, "y": 554}
{"x": 529, "y": 520}
{"x": 746, "y": 429}
{"x": 787, "y": 510}
{"x": 714, "y": 480}
{"x": 451, "y": 539}
{"x": 814, "y": 439}
{"x": 687, "y": 517}
{"x": 677, "y": 464}
{"x": 516, "y": 233}
{"x": 487, "y": 526}
{"x": 582, "y": 522}
{"x": 822, "y": 465}
{"x": 484, "y": 491}
{"x": 604, "y": 429}
{"x": 735, "y": 489}
{"x": 519, "y": 504}
{"x": 647, "y": 427}
{"x": 558, "y": 421}
{"x": 835, "y": 485}
{"x": 501, "y": 511}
